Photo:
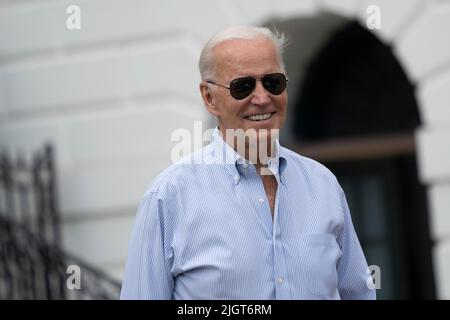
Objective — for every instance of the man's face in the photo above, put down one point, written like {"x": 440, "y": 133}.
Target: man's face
{"x": 240, "y": 58}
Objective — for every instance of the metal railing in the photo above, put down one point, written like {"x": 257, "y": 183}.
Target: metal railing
{"x": 32, "y": 262}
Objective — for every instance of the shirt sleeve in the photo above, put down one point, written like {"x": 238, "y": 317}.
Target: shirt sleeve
{"x": 353, "y": 272}
{"x": 147, "y": 272}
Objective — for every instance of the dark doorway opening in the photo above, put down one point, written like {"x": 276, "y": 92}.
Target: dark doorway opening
{"x": 354, "y": 86}
{"x": 356, "y": 112}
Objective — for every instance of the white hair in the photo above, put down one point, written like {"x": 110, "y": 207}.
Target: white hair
{"x": 206, "y": 61}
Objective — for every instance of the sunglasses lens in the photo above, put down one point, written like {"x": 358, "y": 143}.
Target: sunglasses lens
{"x": 275, "y": 83}
{"x": 240, "y": 88}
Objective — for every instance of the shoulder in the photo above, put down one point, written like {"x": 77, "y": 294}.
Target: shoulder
{"x": 308, "y": 167}
{"x": 179, "y": 173}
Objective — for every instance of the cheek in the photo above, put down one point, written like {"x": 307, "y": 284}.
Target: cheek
{"x": 284, "y": 97}
{"x": 236, "y": 108}
{"x": 231, "y": 110}
{"x": 281, "y": 102}
{"x": 282, "y": 107}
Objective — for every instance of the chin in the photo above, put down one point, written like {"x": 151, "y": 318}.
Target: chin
{"x": 257, "y": 135}
{"x": 268, "y": 133}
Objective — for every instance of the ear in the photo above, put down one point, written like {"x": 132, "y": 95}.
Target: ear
{"x": 208, "y": 98}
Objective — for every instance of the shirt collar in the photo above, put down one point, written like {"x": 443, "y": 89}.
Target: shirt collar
{"x": 224, "y": 154}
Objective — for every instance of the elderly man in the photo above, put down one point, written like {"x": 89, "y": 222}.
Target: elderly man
{"x": 227, "y": 225}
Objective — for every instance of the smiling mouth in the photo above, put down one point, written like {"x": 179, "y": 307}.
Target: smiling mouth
{"x": 260, "y": 117}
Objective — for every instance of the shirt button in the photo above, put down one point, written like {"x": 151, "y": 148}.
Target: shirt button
{"x": 280, "y": 280}
{"x": 235, "y": 178}
{"x": 261, "y": 200}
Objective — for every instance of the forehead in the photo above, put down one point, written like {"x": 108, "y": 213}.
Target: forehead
{"x": 239, "y": 57}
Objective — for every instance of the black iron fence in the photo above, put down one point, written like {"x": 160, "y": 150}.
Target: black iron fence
{"x": 32, "y": 262}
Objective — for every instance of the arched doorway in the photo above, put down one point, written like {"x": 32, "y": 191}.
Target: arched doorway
{"x": 354, "y": 110}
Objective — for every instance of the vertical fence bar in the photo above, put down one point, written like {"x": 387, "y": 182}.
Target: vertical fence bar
{"x": 32, "y": 262}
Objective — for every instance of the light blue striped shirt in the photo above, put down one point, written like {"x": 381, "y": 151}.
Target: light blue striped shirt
{"x": 204, "y": 230}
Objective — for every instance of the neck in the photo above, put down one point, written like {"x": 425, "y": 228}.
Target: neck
{"x": 252, "y": 147}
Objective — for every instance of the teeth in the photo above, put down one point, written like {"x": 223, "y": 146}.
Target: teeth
{"x": 259, "y": 117}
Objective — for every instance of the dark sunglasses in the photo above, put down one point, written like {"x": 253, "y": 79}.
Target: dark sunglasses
{"x": 240, "y": 88}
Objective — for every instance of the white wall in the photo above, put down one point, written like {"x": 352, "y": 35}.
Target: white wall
{"x": 109, "y": 95}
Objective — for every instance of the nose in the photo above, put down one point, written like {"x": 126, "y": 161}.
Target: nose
{"x": 260, "y": 96}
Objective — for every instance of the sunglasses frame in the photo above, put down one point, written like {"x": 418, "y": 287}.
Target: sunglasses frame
{"x": 257, "y": 78}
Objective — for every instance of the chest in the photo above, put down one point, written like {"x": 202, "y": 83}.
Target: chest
{"x": 270, "y": 187}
